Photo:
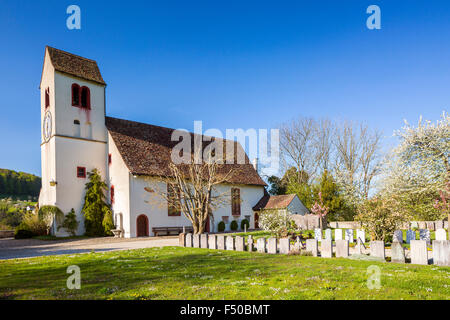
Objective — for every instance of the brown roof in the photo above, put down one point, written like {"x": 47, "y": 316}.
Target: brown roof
{"x": 274, "y": 202}
{"x": 146, "y": 150}
{"x": 75, "y": 65}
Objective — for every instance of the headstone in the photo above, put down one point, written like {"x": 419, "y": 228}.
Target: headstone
{"x": 441, "y": 252}
{"x": 397, "y": 253}
{"x": 221, "y": 242}
{"x": 342, "y": 249}
{"x": 239, "y": 243}
{"x": 311, "y": 246}
{"x": 398, "y": 236}
{"x": 261, "y": 245}
{"x": 349, "y": 235}
{"x": 182, "y": 239}
{"x": 196, "y": 241}
{"x": 272, "y": 245}
{"x": 204, "y": 241}
{"x": 318, "y": 234}
{"x": 441, "y": 234}
{"x": 377, "y": 249}
{"x": 250, "y": 243}
{"x": 446, "y": 225}
{"x": 337, "y": 234}
{"x": 414, "y": 225}
{"x": 229, "y": 243}
{"x": 424, "y": 234}
{"x": 422, "y": 225}
{"x": 430, "y": 225}
{"x": 419, "y": 253}
{"x": 360, "y": 234}
{"x": 326, "y": 249}
{"x": 189, "y": 240}
{"x": 212, "y": 241}
{"x": 328, "y": 234}
{"x": 439, "y": 224}
{"x": 285, "y": 245}
{"x": 410, "y": 235}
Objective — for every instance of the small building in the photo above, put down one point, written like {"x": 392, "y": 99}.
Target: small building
{"x": 288, "y": 202}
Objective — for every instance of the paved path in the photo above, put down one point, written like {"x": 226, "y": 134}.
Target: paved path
{"x": 11, "y": 248}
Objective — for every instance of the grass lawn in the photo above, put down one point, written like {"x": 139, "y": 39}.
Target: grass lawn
{"x": 189, "y": 273}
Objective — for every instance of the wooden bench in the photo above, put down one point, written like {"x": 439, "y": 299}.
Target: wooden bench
{"x": 170, "y": 230}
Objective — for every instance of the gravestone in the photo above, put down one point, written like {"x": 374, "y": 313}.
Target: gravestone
{"x": 430, "y": 225}
{"x": 285, "y": 245}
{"x": 441, "y": 252}
{"x": 189, "y": 240}
{"x": 419, "y": 253}
{"x": 204, "y": 241}
{"x": 261, "y": 245}
{"x": 349, "y": 235}
{"x": 342, "y": 249}
{"x": 250, "y": 243}
{"x": 221, "y": 242}
{"x": 398, "y": 236}
{"x": 196, "y": 241}
{"x": 441, "y": 234}
{"x": 272, "y": 245}
{"x": 439, "y": 224}
{"x": 318, "y": 234}
{"x": 414, "y": 225}
{"x": 424, "y": 234}
{"x": 328, "y": 234}
{"x": 397, "y": 253}
{"x": 326, "y": 249}
{"x": 212, "y": 241}
{"x": 229, "y": 243}
{"x": 360, "y": 234}
{"x": 240, "y": 243}
{"x": 182, "y": 239}
{"x": 311, "y": 246}
{"x": 410, "y": 235}
{"x": 446, "y": 225}
{"x": 377, "y": 249}
{"x": 337, "y": 234}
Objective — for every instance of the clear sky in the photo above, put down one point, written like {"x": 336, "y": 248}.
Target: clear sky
{"x": 231, "y": 64}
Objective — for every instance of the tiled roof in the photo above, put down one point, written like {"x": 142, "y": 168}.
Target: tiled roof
{"x": 146, "y": 150}
{"x": 274, "y": 202}
{"x": 75, "y": 65}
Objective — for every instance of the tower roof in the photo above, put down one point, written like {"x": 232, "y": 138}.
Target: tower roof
{"x": 75, "y": 65}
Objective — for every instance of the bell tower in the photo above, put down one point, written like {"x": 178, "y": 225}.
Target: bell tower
{"x": 73, "y": 131}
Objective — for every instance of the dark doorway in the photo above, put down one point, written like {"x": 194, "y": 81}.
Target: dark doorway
{"x": 142, "y": 226}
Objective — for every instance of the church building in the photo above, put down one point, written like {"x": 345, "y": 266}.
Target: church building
{"x": 78, "y": 137}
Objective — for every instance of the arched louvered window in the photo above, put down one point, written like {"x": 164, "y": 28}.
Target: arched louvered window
{"x": 75, "y": 95}
{"x": 85, "y": 98}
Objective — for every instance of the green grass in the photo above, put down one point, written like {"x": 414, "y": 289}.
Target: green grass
{"x": 188, "y": 273}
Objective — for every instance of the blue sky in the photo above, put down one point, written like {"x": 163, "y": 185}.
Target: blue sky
{"x": 231, "y": 64}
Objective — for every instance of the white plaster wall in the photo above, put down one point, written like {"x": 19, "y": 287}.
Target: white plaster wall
{"x": 297, "y": 207}
{"x": 119, "y": 177}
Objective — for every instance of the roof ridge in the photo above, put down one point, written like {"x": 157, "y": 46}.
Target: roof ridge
{"x": 71, "y": 54}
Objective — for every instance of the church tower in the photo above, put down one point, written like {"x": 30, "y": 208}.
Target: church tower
{"x": 73, "y": 132}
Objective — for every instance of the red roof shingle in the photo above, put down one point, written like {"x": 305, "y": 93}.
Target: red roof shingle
{"x": 274, "y": 202}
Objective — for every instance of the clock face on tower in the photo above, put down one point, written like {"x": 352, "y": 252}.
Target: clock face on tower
{"x": 47, "y": 126}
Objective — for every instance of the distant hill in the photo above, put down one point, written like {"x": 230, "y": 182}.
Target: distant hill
{"x": 19, "y": 184}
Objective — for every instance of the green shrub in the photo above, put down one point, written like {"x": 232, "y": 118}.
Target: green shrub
{"x": 245, "y": 223}
{"x": 221, "y": 226}
{"x": 234, "y": 225}
{"x": 31, "y": 222}
{"x": 22, "y": 234}
{"x": 70, "y": 223}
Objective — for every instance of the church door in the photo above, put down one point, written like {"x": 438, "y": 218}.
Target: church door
{"x": 142, "y": 226}
{"x": 256, "y": 220}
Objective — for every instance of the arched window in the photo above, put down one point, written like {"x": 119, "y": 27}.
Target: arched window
{"x": 75, "y": 95}
{"x": 47, "y": 97}
{"x": 85, "y": 98}
{"x": 112, "y": 195}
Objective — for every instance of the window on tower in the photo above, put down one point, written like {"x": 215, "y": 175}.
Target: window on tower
{"x": 85, "y": 98}
{"x": 47, "y": 97}
{"x": 112, "y": 195}
{"x": 81, "y": 172}
{"x": 75, "y": 95}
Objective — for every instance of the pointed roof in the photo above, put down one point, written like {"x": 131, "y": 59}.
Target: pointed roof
{"x": 146, "y": 150}
{"x": 274, "y": 202}
{"x": 75, "y": 65}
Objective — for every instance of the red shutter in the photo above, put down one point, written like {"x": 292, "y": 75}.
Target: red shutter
{"x": 112, "y": 194}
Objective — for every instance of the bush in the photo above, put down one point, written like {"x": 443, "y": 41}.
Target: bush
{"x": 234, "y": 225}
{"x": 31, "y": 222}
{"x": 275, "y": 221}
{"x": 221, "y": 226}
{"x": 70, "y": 223}
{"x": 245, "y": 223}
{"x": 23, "y": 234}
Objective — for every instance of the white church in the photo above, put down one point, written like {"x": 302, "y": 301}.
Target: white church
{"x": 77, "y": 137}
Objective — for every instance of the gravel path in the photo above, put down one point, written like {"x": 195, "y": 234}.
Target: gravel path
{"x": 11, "y": 248}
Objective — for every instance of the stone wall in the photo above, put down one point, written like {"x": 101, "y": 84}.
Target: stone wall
{"x": 6, "y": 233}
